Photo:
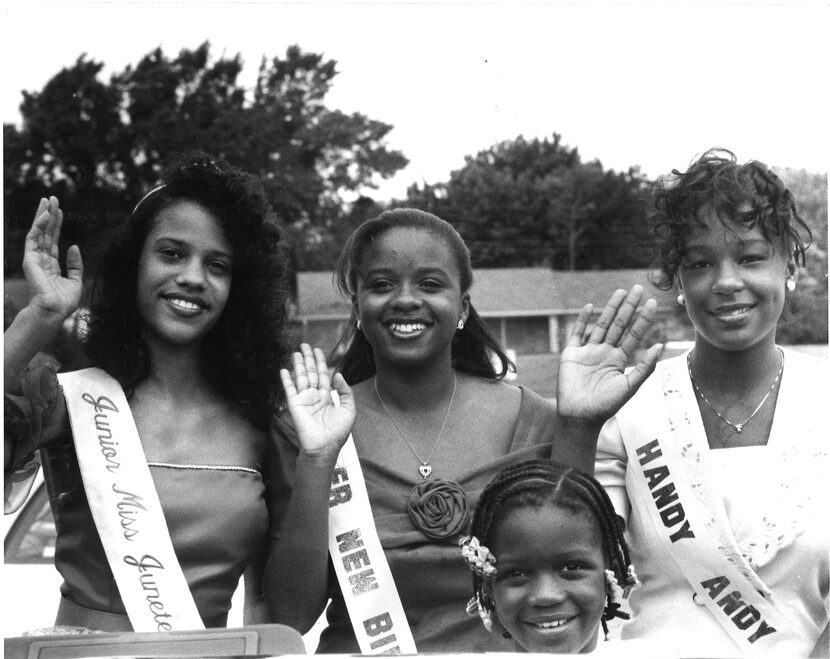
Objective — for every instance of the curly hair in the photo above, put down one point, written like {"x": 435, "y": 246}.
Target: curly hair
{"x": 241, "y": 355}
{"x": 534, "y": 483}
{"x": 716, "y": 182}
{"x": 471, "y": 346}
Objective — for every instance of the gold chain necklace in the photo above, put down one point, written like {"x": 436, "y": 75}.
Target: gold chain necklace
{"x": 737, "y": 427}
{"x": 424, "y": 467}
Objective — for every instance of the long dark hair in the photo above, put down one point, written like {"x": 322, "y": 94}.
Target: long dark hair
{"x": 472, "y": 346}
{"x": 535, "y": 483}
{"x": 717, "y": 181}
{"x": 241, "y": 355}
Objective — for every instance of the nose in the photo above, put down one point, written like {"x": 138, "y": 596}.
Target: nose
{"x": 407, "y": 297}
{"x": 546, "y": 590}
{"x": 728, "y": 279}
{"x": 192, "y": 275}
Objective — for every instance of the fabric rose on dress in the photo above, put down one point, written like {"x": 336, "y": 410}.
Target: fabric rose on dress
{"x": 438, "y": 508}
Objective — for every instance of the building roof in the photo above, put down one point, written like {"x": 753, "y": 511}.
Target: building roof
{"x": 502, "y": 291}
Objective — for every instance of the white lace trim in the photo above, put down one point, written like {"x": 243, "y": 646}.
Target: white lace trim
{"x": 793, "y": 502}
{"x": 794, "y": 495}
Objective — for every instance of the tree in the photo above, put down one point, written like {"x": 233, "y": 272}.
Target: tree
{"x": 534, "y": 202}
{"x": 99, "y": 145}
{"x": 805, "y": 315}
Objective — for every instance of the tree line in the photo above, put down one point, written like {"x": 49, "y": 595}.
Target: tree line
{"x": 98, "y": 145}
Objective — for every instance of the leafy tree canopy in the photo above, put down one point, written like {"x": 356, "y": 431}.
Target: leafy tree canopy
{"x": 99, "y": 145}
{"x": 535, "y": 202}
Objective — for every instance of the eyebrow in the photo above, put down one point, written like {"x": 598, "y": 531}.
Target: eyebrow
{"x": 751, "y": 242}
{"x": 183, "y": 243}
{"x": 423, "y": 270}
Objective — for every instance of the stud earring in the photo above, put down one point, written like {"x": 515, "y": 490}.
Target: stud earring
{"x": 358, "y": 324}
{"x": 791, "y": 284}
{"x": 506, "y": 634}
{"x": 461, "y": 323}
{"x": 681, "y": 300}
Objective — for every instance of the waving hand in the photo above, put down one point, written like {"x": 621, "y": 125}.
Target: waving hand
{"x": 321, "y": 425}
{"x": 593, "y": 382}
{"x": 49, "y": 290}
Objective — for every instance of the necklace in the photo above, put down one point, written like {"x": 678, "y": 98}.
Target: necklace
{"x": 424, "y": 467}
{"x": 737, "y": 427}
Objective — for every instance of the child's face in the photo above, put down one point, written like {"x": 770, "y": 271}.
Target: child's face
{"x": 184, "y": 274}
{"x": 550, "y": 591}
{"x": 733, "y": 280}
{"x": 409, "y": 297}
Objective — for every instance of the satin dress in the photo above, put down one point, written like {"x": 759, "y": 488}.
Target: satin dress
{"x": 221, "y": 519}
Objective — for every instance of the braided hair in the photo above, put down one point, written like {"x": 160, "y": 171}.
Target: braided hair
{"x": 539, "y": 482}
{"x": 716, "y": 181}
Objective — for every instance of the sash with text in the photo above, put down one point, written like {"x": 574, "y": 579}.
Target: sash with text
{"x": 365, "y": 579}
{"x": 672, "y": 481}
{"x": 125, "y": 505}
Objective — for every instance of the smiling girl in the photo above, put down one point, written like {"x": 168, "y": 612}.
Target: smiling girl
{"x": 718, "y": 464}
{"x": 169, "y": 466}
{"x": 549, "y": 559}
{"x": 436, "y": 422}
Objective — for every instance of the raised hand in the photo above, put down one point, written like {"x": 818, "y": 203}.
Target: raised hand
{"x": 321, "y": 425}
{"x": 593, "y": 383}
{"x": 49, "y": 291}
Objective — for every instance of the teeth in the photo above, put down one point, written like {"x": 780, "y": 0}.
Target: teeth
{"x": 407, "y": 328}
{"x": 733, "y": 312}
{"x": 183, "y": 304}
{"x": 551, "y": 624}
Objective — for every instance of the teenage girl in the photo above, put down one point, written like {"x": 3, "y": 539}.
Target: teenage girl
{"x": 719, "y": 463}
{"x": 436, "y": 421}
{"x": 188, "y": 317}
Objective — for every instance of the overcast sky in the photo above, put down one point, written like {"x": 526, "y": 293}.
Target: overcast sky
{"x": 626, "y": 83}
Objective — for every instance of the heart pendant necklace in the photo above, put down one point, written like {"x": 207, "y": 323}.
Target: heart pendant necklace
{"x": 424, "y": 468}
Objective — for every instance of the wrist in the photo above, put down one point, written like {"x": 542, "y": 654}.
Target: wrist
{"x": 42, "y": 317}
{"x": 580, "y": 423}
{"x": 324, "y": 459}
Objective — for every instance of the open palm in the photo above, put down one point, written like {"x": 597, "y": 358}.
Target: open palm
{"x": 593, "y": 382}
{"x": 48, "y": 288}
{"x": 321, "y": 424}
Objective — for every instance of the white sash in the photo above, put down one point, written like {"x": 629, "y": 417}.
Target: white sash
{"x": 672, "y": 482}
{"x": 375, "y": 609}
{"x": 125, "y": 505}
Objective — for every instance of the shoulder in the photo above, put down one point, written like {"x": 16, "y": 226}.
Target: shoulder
{"x": 488, "y": 390}
{"x": 671, "y": 369}
{"x": 678, "y": 362}
{"x": 487, "y": 399}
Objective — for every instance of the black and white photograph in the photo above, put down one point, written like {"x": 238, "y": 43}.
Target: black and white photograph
{"x": 450, "y": 328}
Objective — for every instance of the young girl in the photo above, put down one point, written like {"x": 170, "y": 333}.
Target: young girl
{"x": 187, "y": 331}
{"x": 718, "y": 465}
{"x": 436, "y": 421}
{"x": 549, "y": 559}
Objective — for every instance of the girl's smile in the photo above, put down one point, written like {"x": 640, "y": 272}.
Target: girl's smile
{"x": 549, "y": 591}
{"x": 733, "y": 280}
{"x": 184, "y": 274}
{"x": 409, "y": 298}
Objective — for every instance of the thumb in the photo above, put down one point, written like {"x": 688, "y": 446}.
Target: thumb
{"x": 74, "y": 264}
{"x": 644, "y": 368}
{"x": 344, "y": 392}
